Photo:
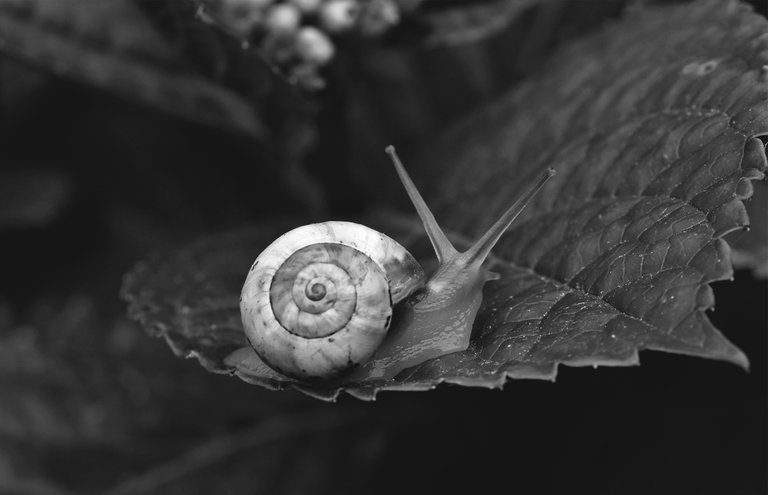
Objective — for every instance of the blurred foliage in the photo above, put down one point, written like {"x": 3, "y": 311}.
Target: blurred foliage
{"x": 89, "y": 403}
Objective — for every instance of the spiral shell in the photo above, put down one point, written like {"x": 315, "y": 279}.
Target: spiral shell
{"x": 318, "y": 300}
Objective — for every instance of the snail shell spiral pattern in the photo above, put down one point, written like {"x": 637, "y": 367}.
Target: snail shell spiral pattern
{"x": 318, "y": 300}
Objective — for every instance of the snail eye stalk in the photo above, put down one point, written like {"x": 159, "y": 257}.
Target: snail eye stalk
{"x": 443, "y": 247}
{"x": 482, "y": 248}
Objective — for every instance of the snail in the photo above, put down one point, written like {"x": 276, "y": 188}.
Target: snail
{"x": 341, "y": 300}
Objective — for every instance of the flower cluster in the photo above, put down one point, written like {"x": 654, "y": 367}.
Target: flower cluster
{"x": 296, "y": 36}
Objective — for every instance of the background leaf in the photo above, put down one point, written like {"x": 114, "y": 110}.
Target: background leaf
{"x": 473, "y": 21}
{"x": 112, "y": 45}
{"x": 407, "y": 96}
{"x": 76, "y": 387}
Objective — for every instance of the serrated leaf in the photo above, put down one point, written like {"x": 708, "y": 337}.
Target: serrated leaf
{"x": 655, "y": 155}
{"x": 192, "y": 297}
{"x": 651, "y": 124}
{"x": 750, "y": 248}
{"x": 112, "y": 45}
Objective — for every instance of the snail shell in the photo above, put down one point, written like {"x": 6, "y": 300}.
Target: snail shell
{"x": 318, "y": 301}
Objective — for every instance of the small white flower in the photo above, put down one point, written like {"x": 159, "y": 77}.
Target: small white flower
{"x": 337, "y": 16}
{"x": 313, "y": 46}
{"x": 378, "y": 16}
{"x": 283, "y": 18}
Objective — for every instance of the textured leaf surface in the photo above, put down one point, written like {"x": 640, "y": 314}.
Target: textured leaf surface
{"x": 112, "y": 45}
{"x": 655, "y": 155}
{"x": 651, "y": 124}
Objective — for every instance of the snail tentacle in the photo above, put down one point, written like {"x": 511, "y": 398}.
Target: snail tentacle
{"x": 443, "y": 247}
{"x": 440, "y": 320}
{"x": 319, "y": 301}
{"x": 483, "y": 246}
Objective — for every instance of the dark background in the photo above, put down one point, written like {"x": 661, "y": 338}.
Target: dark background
{"x": 91, "y": 183}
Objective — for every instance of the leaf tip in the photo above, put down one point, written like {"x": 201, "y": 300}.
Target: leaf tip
{"x": 741, "y": 360}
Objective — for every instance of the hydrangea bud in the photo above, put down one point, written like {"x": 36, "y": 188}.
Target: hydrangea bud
{"x": 337, "y": 16}
{"x": 378, "y": 16}
{"x": 313, "y": 46}
{"x": 282, "y": 18}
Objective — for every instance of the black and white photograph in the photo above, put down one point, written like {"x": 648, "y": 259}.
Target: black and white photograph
{"x": 386, "y": 247}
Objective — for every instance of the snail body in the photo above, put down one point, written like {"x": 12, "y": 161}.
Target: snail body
{"x": 318, "y": 302}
